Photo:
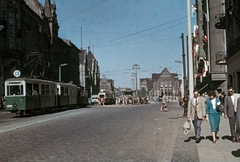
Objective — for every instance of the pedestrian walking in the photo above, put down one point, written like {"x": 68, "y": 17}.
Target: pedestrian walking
{"x": 222, "y": 99}
{"x": 164, "y": 103}
{"x": 196, "y": 113}
{"x": 213, "y": 114}
{"x": 206, "y": 96}
{"x": 3, "y": 105}
{"x": 230, "y": 109}
{"x": 203, "y": 97}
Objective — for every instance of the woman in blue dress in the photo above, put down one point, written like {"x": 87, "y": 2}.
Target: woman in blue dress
{"x": 213, "y": 114}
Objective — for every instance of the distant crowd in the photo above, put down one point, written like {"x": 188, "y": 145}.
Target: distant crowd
{"x": 131, "y": 100}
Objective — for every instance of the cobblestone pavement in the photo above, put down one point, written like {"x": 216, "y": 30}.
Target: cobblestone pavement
{"x": 185, "y": 149}
{"x": 121, "y": 133}
{"x": 112, "y": 133}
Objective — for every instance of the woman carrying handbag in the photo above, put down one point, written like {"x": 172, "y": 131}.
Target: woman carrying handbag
{"x": 213, "y": 114}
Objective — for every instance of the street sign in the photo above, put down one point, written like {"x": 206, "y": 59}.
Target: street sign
{"x": 17, "y": 73}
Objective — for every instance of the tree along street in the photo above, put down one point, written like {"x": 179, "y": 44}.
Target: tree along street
{"x": 107, "y": 133}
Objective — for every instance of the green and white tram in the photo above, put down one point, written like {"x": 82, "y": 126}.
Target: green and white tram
{"x": 67, "y": 94}
{"x": 25, "y": 95}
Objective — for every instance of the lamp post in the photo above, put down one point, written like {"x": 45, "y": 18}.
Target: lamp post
{"x": 184, "y": 76}
{"x": 59, "y": 74}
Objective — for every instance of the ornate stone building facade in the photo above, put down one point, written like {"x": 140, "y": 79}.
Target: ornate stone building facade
{"x": 107, "y": 85}
{"x": 164, "y": 82}
{"x": 28, "y": 39}
{"x": 29, "y": 43}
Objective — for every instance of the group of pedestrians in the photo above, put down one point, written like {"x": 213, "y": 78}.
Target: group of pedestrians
{"x": 210, "y": 107}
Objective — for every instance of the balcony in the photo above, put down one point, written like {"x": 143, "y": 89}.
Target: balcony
{"x": 221, "y": 58}
{"x": 220, "y": 21}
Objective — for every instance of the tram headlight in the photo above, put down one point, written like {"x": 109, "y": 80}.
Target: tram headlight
{"x": 14, "y": 104}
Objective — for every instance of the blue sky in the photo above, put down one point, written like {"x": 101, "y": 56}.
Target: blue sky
{"x": 122, "y": 33}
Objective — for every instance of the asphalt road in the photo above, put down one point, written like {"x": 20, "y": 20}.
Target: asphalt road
{"x": 108, "y": 133}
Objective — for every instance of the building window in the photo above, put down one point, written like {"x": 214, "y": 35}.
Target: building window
{"x": 40, "y": 28}
{"x": 11, "y": 42}
{"x": 10, "y": 18}
{"x": 230, "y": 80}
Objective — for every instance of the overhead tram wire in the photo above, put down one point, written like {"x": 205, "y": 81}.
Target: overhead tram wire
{"x": 127, "y": 42}
{"x": 146, "y": 35}
{"x": 141, "y": 31}
{"x": 82, "y": 11}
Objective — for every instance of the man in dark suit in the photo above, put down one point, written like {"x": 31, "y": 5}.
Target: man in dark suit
{"x": 230, "y": 109}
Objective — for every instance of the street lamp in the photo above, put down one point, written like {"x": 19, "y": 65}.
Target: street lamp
{"x": 184, "y": 75}
{"x": 59, "y": 74}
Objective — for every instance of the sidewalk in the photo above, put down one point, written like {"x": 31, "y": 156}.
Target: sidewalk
{"x": 224, "y": 150}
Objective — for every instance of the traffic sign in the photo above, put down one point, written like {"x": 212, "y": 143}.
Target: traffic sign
{"x": 17, "y": 73}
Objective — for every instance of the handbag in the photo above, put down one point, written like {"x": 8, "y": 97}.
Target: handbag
{"x": 219, "y": 107}
{"x": 186, "y": 127}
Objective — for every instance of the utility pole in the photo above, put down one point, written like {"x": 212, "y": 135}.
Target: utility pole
{"x": 184, "y": 77}
{"x": 136, "y": 67}
{"x": 190, "y": 57}
{"x": 81, "y": 39}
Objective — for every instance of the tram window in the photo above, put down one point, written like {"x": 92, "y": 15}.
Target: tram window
{"x": 51, "y": 91}
{"x": 47, "y": 90}
{"x": 58, "y": 91}
{"x": 43, "y": 89}
{"x": 29, "y": 88}
{"x": 15, "y": 90}
{"x": 62, "y": 90}
{"x": 66, "y": 91}
{"x": 35, "y": 89}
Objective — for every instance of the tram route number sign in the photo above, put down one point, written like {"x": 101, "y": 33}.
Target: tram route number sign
{"x": 17, "y": 73}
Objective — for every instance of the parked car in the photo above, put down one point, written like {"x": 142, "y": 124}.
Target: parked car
{"x": 94, "y": 99}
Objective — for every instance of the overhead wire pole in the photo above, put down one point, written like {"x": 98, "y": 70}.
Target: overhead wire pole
{"x": 81, "y": 39}
{"x": 190, "y": 57}
{"x": 136, "y": 67}
{"x": 184, "y": 77}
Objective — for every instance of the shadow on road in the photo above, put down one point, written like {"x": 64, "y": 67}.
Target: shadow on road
{"x": 227, "y": 137}
{"x": 236, "y": 153}
{"x": 193, "y": 138}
